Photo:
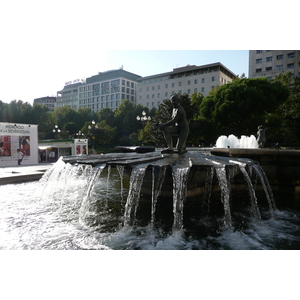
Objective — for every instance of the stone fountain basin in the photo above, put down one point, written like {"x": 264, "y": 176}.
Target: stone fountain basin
{"x": 282, "y": 168}
{"x": 199, "y": 165}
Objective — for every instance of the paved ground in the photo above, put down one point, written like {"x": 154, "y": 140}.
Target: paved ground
{"x": 21, "y": 173}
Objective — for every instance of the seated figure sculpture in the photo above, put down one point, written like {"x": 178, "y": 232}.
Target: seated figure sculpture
{"x": 261, "y": 136}
{"x": 178, "y": 126}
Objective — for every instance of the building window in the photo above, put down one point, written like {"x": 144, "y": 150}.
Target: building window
{"x": 258, "y": 51}
{"x": 213, "y": 78}
{"x": 180, "y": 83}
{"x": 202, "y": 90}
{"x": 196, "y": 81}
{"x": 166, "y": 94}
{"x": 280, "y": 56}
{"x": 258, "y": 70}
{"x": 279, "y": 67}
{"x": 173, "y": 84}
{"x": 268, "y": 69}
{"x": 290, "y": 66}
{"x": 269, "y": 58}
{"x": 203, "y": 80}
{"x": 166, "y": 86}
{"x": 189, "y": 82}
{"x": 153, "y": 88}
{"x": 259, "y": 61}
{"x": 291, "y": 55}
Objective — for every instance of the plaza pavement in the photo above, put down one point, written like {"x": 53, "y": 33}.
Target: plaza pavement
{"x": 19, "y": 174}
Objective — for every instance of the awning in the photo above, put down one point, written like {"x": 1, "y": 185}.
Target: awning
{"x": 45, "y": 147}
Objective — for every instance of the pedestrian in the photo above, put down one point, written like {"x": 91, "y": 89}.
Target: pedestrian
{"x": 20, "y": 156}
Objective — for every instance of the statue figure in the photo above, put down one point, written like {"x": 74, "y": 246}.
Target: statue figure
{"x": 178, "y": 126}
{"x": 261, "y": 136}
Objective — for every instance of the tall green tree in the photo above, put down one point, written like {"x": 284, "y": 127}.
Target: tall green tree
{"x": 241, "y": 106}
{"x": 285, "y": 120}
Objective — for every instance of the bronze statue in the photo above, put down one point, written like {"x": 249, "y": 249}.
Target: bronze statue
{"x": 261, "y": 136}
{"x": 178, "y": 126}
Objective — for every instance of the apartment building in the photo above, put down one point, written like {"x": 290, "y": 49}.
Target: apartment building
{"x": 47, "y": 101}
{"x": 108, "y": 89}
{"x": 68, "y": 96}
{"x": 269, "y": 63}
{"x": 152, "y": 90}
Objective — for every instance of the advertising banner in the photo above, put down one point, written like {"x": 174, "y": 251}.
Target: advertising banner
{"x": 22, "y": 137}
{"x": 81, "y": 146}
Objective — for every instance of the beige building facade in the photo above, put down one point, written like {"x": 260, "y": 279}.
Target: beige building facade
{"x": 152, "y": 90}
{"x": 68, "y": 96}
{"x": 270, "y": 63}
{"x": 47, "y": 101}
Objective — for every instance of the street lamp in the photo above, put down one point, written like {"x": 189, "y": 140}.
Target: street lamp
{"x": 56, "y": 129}
{"x": 79, "y": 133}
{"x": 143, "y": 119}
{"x": 93, "y": 126}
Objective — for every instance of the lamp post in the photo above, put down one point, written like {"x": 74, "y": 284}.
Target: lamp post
{"x": 79, "y": 133}
{"x": 56, "y": 130}
{"x": 143, "y": 119}
{"x": 90, "y": 127}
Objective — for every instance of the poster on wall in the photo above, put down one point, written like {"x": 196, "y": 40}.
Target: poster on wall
{"x": 81, "y": 146}
{"x": 18, "y": 136}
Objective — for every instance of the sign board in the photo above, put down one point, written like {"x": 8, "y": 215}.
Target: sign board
{"x": 18, "y": 136}
{"x": 81, "y": 146}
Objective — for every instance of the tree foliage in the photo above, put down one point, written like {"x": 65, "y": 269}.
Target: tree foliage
{"x": 235, "y": 108}
{"x": 286, "y": 118}
{"x": 241, "y": 106}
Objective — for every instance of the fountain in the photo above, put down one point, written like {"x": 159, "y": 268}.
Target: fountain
{"x": 172, "y": 182}
{"x": 234, "y": 142}
{"x": 148, "y": 183}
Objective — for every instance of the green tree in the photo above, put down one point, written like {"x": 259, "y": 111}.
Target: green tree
{"x": 241, "y": 106}
{"x": 125, "y": 122}
{"x": 106, "y": 115}
{"x": 285, "y": 120}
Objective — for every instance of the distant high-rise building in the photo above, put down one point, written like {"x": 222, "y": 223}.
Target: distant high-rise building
{"x": 47, "y": 101}
{"x": 108, "y": 89}
{"x": 69, "y": 94}
{"x": 152, "y": 90}
{"x": 269, "y": 63}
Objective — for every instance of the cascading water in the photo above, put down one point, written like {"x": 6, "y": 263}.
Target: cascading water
{"x": 180, "y": 177}
{"x": 136, "y": 181}
{"x": 148, "y": 201}
{"x": 225, "y": 170}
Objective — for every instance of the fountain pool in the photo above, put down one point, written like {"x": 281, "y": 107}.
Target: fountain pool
{"x": 93, "y": 204}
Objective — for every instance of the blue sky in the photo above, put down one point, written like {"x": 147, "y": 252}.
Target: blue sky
{"x": 44, "y": 78}
{"x": 45, "y": 44}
